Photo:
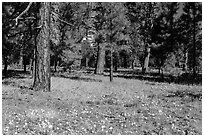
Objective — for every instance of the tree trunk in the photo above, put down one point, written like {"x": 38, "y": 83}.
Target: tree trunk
{"x": 24, "y": 64}
{"x": 159, "y": 70}
{"x": 146, "y": 60}
{"x": 42, "y": 61}
{"x": 115, "y": 62}
{"x": 100, "y": 60}
{"x": 31, "y": 66}
{"x": 111, "y": 64}
{"x": 133, "y": 63}
{"x": 55, "y": 64}
{"x": 185, "y": 66}
{"x": 194, "y": 42}
{"x": 87, "y": 61}
{"x": 5, "y": 66}
{"x": 21, "y": 59}
{"x": 24, "y": 67}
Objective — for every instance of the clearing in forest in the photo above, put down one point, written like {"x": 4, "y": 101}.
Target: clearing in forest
{"x": 90, "y": 104}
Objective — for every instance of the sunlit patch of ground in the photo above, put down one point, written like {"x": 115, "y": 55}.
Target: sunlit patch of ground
{"x": 89, "y": 104}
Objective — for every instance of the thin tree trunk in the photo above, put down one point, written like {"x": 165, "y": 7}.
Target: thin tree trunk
{"x": 115, "y": 63}
{"x": 111, "y": 64}
{"x": 21, "y": 59}
{"x": 133, "y": 63}
{"x": 5, "y": 66}
{"x": 194, "y": 42}
{"x": 99, "y": 68}
{"x": 87, "y": 61}
{"x": 24, "y": 67}
{"x": 31, "y": 66}
{"x": 125, "y": 61}
{"x": 146, "y": 60}
{"x": 24, "y": 64}
{"x": 111, "y": 53}
{"x": 55, "y": 64}
{"x": 185, "y": 66}
{"x": 42, "y": 62}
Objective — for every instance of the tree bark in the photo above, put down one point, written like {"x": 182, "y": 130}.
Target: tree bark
{"x": 5, "y": 66}
{"x": 42, "y": 53}
{"x": 87, "y": 61}
{"x": 194, "y": 41}
{"x": 111, "y": 64}
{"x": 100, "y": 60}
{"x": 115, "y": 62}
{"x": 31, "y": 66}
{"x": 55, "y": 64}
{"x": 185, "y": 66}
{"x": 24, "y": 64}
{"x": 133, "y": 63}
{"x": 21, "y": 59}
{"x": 146, "y": 60}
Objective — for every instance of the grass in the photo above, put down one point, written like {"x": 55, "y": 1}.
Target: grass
{"x": 87, "y": 104}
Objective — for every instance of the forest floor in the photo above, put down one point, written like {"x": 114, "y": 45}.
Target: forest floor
{"x": 82, "y": 103}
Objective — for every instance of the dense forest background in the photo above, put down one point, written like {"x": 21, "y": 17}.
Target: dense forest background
{"x": 102, "y": 68}
{"x": 57, "y": 37}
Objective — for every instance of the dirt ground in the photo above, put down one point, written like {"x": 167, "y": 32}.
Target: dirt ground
{"x": 88, "y": 104}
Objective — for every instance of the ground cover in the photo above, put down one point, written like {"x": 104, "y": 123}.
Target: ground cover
{"x": 89, "y": 104}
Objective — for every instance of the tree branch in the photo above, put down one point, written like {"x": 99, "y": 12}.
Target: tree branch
{"x": 56, "y": 15}
{"x": 19, "y": 16}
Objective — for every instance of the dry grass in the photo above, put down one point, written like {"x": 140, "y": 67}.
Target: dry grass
{"x": 87, "y": 104}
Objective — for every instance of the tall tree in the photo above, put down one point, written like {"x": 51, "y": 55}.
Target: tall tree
{"x": 116, "y": 27}
{"x": 15, "y": 27}
{"x": 142, "y": 17}
{"x": 164, "y": 34}
{"x": 190, "y": 35}
{"x": 42, "y": 64}
{"x": 147, "y": 17}
{"x": 108, "y": 25}
{"x": 98, "y": 21}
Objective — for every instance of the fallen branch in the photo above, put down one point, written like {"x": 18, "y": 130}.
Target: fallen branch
{"x": 19, "y": 16}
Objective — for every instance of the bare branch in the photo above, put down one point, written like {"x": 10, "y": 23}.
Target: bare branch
{"x": 27, "y": 18}
{"x": 56, "y": 15}
{"x": 39, "y": 27}
{"x": 65, "y": 22}
{"x": 19, "y": 16}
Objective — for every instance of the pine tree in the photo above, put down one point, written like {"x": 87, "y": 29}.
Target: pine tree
{"x": 190, "y": 35}
{"x": 42, "y": 64}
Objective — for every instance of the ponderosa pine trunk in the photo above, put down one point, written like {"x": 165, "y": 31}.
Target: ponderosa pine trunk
{"x": 42, "y": 53}
{"x": 100, "y": 59}
{"x": 146, "y": 60}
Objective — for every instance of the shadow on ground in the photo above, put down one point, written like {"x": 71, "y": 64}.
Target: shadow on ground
{"x": 185, "y": 94}
{"x": 20, "y": 74}
{"x": 185, "y": 78}
{"x": 78, "y": 78}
